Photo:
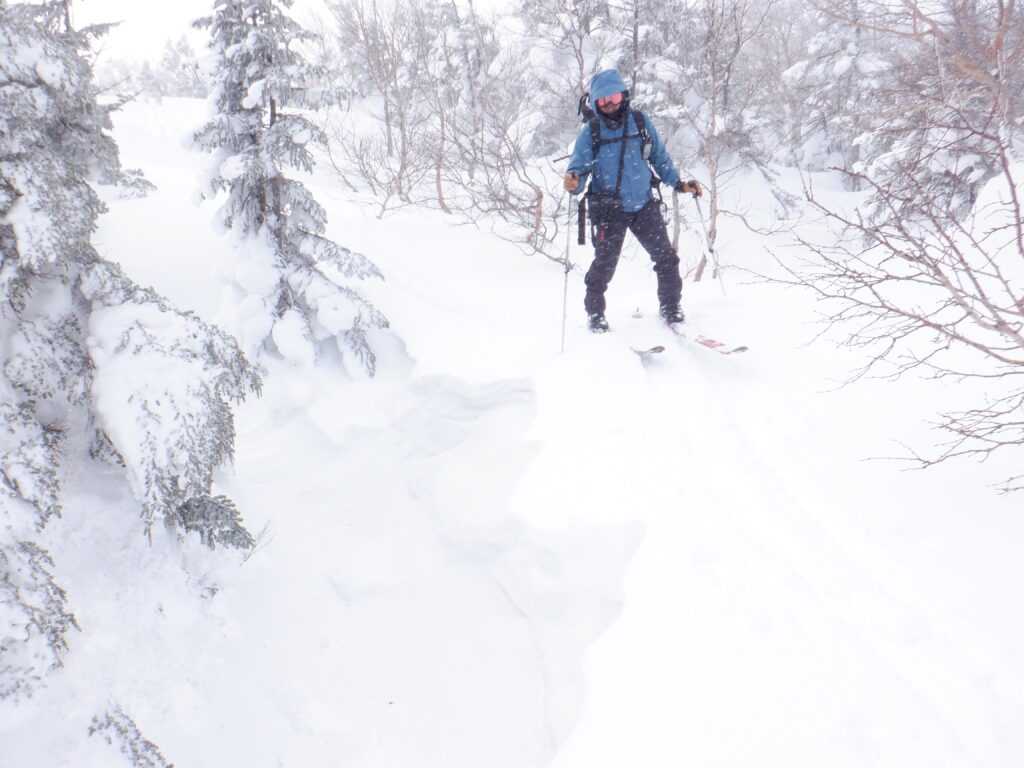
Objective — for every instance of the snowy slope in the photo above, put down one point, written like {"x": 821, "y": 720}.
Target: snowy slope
{"x": 496, "y": 555}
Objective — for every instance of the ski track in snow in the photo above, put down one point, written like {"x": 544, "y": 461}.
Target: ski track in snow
{"x": 817, "y": 583}
{"x": 498, "y": 555}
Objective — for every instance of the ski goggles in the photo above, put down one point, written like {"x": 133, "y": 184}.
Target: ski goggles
{"x": 615, "y": 99}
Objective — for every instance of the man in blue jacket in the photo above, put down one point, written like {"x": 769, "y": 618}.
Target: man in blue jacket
{"x": 621, "y": 194}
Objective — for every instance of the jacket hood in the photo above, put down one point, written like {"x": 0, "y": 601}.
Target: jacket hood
{"x": 605, "y": 83}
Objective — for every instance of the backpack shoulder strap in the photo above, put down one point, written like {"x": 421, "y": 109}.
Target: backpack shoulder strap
{"x": 641, "y": 123}
{"x": 645, "y": 135}
{"x": 642, "y": 132}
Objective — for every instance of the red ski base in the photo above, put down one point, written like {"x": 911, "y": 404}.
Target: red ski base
{"x": 718, "y": 346}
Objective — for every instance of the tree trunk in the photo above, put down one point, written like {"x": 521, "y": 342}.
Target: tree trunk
{"x": 439, "y": 165}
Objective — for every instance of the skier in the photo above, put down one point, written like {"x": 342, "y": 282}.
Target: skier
{"x": 619, "y": 146}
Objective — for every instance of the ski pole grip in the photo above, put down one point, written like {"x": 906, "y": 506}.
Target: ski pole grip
{"x": 581, "y": 222}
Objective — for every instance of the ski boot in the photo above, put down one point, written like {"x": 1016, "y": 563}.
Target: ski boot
{"x": 672, "y": 314}
{"x": 596, "y": 323}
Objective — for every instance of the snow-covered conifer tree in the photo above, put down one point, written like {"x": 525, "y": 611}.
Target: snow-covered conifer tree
{"x": 177, "y": 74}
{"x": 835, "y": 84}
{"x": 179, "y": 71}
{"x": 91, "y": 362}
{"x": 288, "y": 277}
{"x": 87, "y": 137}
{"x": 953, "y": 99}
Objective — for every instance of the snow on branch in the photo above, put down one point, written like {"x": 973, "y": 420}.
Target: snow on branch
{"x": 216, "y": 520}
{"x": 171, "y": 430}
{"x": 89, "y": 357}
{"x": 34, "y": 620}
{"x": 28, "y": 461}
{"x": 120, "y": 730}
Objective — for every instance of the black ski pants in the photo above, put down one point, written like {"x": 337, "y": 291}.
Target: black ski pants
{"x": 649, "y": 228}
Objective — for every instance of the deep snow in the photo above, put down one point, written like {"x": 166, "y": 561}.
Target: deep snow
{"x": 496, "y": 554}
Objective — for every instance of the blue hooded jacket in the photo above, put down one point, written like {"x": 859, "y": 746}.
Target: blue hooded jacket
{"x": 635, "y": 191}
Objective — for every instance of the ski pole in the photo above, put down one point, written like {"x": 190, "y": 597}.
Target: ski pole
{"x": 675, "y": 220}
{"x": 568, "y": 267}
{"x": 711, "y": 248}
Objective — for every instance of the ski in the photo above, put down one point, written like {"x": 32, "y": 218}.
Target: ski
{"x": 719, "y": 346}
{"x": 644, "y": 353}
{"x": 705, "y": 341}
{"x": 714, "y": 344}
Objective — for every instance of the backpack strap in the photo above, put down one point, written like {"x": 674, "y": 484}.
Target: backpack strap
{"x": 596, "y": 142}
{"x": 645, "y": 136}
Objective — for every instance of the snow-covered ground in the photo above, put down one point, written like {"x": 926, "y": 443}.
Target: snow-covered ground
{"x": 497, "y": 554}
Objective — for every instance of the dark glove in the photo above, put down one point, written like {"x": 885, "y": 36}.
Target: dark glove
{"x": 689, "y": 187}
{"x": 571, "y": 182}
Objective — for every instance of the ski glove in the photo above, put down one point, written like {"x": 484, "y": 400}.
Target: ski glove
{"x": 571, "y": 182}
{"x": 689, "y": 187}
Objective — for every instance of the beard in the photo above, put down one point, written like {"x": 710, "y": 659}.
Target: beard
{"x": 614, "y": 118}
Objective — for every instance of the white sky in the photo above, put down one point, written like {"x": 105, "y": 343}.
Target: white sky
{"x": 147, "y": 24}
